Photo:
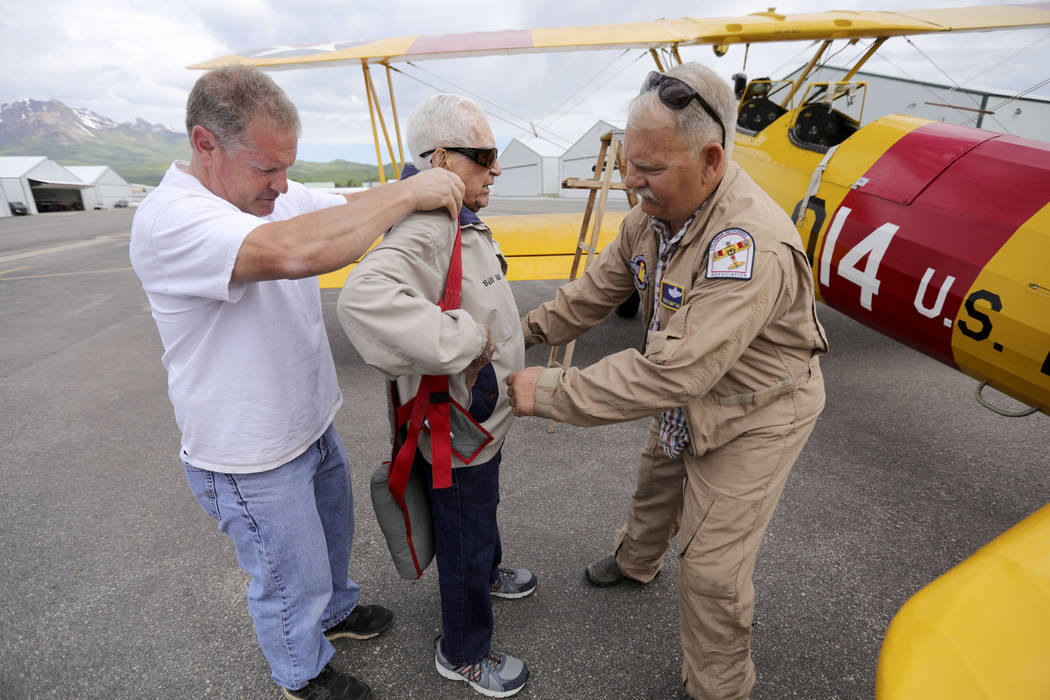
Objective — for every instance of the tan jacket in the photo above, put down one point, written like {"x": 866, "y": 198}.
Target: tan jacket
{"x": 731, "y": 347}
{"x": 388, "y": 308}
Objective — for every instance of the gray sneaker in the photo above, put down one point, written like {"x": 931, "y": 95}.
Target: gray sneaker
{"x": 495, "y": 675}
{"x": 513, "y": 583}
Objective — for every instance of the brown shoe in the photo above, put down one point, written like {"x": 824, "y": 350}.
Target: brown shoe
{"x": 605, "y": 572}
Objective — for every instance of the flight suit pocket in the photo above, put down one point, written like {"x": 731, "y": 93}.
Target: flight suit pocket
{"x": 662, "y": 345}
{"x": 713, "y": 540}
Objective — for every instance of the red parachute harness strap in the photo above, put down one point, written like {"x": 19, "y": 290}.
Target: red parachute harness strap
{"x": 430, "y": 405}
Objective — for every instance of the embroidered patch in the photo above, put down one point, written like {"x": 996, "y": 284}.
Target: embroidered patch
{"x": 671, "y": 295}
{"x": 638, "y": 268}
{"x": 732, "y": 254}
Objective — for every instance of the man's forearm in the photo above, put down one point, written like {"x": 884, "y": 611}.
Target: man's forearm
{"x": 321, "y": 241}
{"x": 332, "y": 238}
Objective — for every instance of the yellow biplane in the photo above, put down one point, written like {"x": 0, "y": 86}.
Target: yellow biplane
{"x": 896, "y": 237}
{"x": 934, "y": 234}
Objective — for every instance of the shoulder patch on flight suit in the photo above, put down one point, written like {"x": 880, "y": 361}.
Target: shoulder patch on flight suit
{"x": 671, "y": 295}
{"x": 732, "y": 254}
{"x": 638, "y": 268}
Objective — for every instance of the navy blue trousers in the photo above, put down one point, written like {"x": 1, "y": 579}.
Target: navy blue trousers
{"x": 467, "y": 546}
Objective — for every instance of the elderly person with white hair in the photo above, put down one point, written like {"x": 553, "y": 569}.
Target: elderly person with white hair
{"x": 729, "y": 370}
{"x": 389, "y": 309}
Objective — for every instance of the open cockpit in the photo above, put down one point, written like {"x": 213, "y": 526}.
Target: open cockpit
{"x": 827, "y": 115}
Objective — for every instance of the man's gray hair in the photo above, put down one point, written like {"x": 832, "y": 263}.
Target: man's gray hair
{"x": 225, "y": 100}
{"x": 694, "y": 124}
{"x": 441, "y": 121}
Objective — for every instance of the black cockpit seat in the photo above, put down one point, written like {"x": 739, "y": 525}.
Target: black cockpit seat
{"x": 819, "y": 127}
{"x": 758, "y": 113}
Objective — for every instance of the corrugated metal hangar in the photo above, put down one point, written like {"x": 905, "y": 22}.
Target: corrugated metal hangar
{"x": 535, "y": 167}
{"x": 530, "y": 168}
{"x": 35, "y": 184}
{"x": 108, "y": 189}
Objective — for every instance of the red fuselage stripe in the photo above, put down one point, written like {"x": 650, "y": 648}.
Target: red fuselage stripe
{"x": 956, "y": 196}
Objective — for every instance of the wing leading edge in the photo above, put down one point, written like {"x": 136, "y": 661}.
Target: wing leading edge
{"x": 755, "y": 28}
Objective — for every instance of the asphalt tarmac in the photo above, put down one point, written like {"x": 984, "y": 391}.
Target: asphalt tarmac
{"x": 114, "y": 583}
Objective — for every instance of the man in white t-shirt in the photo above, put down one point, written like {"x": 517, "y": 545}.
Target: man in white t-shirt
{"x": 227, "y": 249}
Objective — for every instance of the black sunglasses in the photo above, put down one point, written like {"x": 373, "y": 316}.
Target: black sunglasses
{"x": 485, "y": 157}
{"x": 677, "y": 94}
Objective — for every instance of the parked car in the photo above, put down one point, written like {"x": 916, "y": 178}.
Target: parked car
{"x": 19, "y": 208}
{"x": 120, "y": 204}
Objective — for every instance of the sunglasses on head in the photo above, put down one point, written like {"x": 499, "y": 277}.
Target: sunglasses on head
{"x": 485, "y": 157}
{"x": 677, "y": 94}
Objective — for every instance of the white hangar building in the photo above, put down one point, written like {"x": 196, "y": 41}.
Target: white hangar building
{"x": 530, "y": 169}
{"x": 106, "y": 187}
{"x": 580, "y": 159}
{"x": 40, "y": 183}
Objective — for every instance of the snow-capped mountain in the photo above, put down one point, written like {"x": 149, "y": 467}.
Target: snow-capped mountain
{"x": 31, "y": 121}
{"x": 139, "y": 151}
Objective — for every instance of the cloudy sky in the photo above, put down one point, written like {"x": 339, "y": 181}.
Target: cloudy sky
{"x": 127, "y": 60}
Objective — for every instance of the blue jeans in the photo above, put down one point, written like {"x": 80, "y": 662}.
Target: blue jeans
{"x": 292, "y": 528}
{"x": 467, "y": 545}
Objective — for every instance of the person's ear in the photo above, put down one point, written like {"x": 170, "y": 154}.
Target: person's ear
{"x": 205, "y": 145}
{"x": 439, "y": 159}
{"x": 714, "y": 157}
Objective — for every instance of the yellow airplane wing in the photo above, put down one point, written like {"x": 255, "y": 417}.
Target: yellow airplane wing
{"x": 755, "y": 28}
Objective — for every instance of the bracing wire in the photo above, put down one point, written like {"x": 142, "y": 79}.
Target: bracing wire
{"x": 1015, "y": 54}
{"x": 932, "y": 62}
{"x": 492, "y": 114}
{"x": 827, "y": 60}
{"x": 529, "y": 130}
{"x": 1009, "y": 100}
{"x": 860, "y": 52}
{"x": 600, "y": 86}
{"x": 555, "y": 114}
{"x": 935, "y": 93}
{"x": 958, "y": 88}
{"x": 778, "y": 69}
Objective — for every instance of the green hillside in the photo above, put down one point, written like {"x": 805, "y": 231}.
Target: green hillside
{"x": 144, "y": 157}
{"x": 141, "y": 158}
{"x": 343, "y": 173}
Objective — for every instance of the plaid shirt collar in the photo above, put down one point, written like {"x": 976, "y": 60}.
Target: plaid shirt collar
{"x": 663, "y": 231}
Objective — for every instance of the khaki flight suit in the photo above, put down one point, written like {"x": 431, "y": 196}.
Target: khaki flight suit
{"x": 741, "y": 356}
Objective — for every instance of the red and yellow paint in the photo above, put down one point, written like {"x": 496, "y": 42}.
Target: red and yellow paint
{"x": 936, "y": 235}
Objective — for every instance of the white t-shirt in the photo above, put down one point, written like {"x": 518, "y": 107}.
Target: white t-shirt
{"x": 250, "y": 371}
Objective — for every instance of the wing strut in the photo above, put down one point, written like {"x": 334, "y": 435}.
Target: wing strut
{"x": 397, "y": 126}
{"x": 805, "y": 73}
{"x": 656, "y": 57}
{"x": 373, "y": 102}
{"x": 371, "y": 115}
{"x": 864, "y": 59}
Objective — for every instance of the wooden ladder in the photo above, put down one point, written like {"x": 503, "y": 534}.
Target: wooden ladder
{"x": 610, "y": 158}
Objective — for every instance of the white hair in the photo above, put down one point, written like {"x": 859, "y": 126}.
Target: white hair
{"x": 693, "y": 123}
{"x": 441, "y": 121}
